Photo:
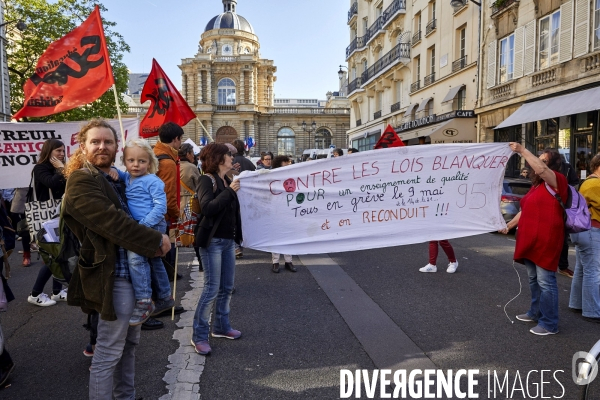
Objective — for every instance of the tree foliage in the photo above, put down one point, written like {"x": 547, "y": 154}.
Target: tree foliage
{"x": 47, "y": 22}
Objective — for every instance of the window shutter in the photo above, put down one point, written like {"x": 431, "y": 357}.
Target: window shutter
{"x": 491, "y": 72}
{"x": 529, "y": 55}
{"x": 582, "y": 29}
{"x": 566, "y": 32}
{"x": 519, "y": 45}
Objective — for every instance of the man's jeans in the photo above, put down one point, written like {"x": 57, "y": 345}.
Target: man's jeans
{"x": 585, "y": 288}
{"x": 143, "y": 269}
{"x": 218, "y": 260}
{"x": 544, "y": 296}
{"x": 113, "y": 365}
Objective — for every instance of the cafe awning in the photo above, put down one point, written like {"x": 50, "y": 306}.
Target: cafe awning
{"x": 456, "y": 130}
{"x": 410, "y": 109}
{"x": 452, "y": 93}
{"x": 424, "y": 104}
{"x": 559, "y": 106}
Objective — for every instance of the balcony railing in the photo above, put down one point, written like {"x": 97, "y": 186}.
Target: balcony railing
{"x": 355, "y": 84}
{"x": 500, "y": 5}
{"x": 401, "y": 50}
{"x": 227, "y": 108}
{"x": 225, "y": 59}
{"x": 393, "y": 9}
{"x": 430, "y": 27}
{"x": 429, "y": 79}
{"x": 459, "y": 64}
{"x": 416, "y": 38}
{"x": 357, "y": 43}
{"x": 136, "y": 110}
{"x": 358, "y": 122}
{"x": 377, "y": 114}
{"x": 415, "y": 86}
{"x": 353, "y": 11}
{"x": 395, "y": 107}
{"x": 373, "y": 29}
{"x": 307, "y": 110}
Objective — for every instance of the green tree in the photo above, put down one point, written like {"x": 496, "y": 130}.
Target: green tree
{"x": 47, "y": 22}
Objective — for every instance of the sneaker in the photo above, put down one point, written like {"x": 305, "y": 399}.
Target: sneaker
{"x": 538, "y": 330}
{"x": 566, "y": 272}
{"x": 26, "y": 259}
{"x": 290, "y": 266}
{"x": 239, "y": 253}
{"x": 428, "y": 268}
{"x": 33, "y": 247}
{"x": 525, "y": 318}
{"x": 41, "y": 300}
{"x": 202, "y": 347}
{"x": 231, "y": 334}
{"x": 61, "y": 296}
{"x": 275, "y": 268}
{"x": 89, "y": 350}
{"x": 162, "y": 305}
{"x": 141, "y": 312}
{"x": 452, "y": 267}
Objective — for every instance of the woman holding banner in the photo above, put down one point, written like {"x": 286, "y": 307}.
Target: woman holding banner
{"x": 49, "y": 180}
{"x": 540, "y": 237}
{"x": 216, "y": 234}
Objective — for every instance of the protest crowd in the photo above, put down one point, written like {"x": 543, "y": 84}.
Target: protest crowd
{"x": 115, "y": 254}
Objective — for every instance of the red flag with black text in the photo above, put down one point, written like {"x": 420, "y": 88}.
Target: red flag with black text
{"x": 389, "y": 138}
{"x": 73, "y": 71}
{"x": 167, "y": 103}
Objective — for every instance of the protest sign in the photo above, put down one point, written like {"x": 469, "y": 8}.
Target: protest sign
{"x": 21, "y": 143}
{"x": 375, "y": 199}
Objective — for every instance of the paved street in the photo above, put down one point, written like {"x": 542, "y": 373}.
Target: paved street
{"x": 361, "y": 310}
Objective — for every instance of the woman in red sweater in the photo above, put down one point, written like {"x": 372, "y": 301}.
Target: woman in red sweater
{"x": 540, "y": 237}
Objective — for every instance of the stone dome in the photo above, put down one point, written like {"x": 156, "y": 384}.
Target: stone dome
{"x": 229, "y": 20}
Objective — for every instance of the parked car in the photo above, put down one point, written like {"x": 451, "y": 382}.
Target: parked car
{"x": 513, "y": 190}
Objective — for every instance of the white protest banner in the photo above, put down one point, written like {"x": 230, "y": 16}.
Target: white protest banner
{"x": 21, "y": 143}
{"x": 375, "y": 199}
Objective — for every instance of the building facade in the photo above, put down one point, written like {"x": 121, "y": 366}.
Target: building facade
{"x": 231, "y": 89}
{"x": 412, "y": 69}
{"x": 540, "y": 82}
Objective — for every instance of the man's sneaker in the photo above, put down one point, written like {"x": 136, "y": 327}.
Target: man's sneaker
{"x": 428, "y": 268}
{"x": 162, "y": 305}
{"x": 61, "y": 296}
{"x": 41, "y": 300}
{"x": 89, "y": 350}
{"x": 566, "y": 272}
{"x": 289, "y": 266}
{"x": 231, "y": 334}
{"x": 239, "y": 253}
{"x": 525, "y": 318}
{"x": 202, "y": 347}
{"x": 141, "y": 312}
{"x": 275, "y": 268}
{"x": 33, "y": 247}
{"x": 538, "y": 330}
{"x": 452, "y": 267}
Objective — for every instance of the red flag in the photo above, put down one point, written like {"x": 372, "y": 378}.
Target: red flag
{"x": 73, "y": 71}
{"x": 389, "y": 139}
{"x": 167, "y": 103}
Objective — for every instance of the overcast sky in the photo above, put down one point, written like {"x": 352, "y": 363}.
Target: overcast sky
{"x": 306, "y": 39}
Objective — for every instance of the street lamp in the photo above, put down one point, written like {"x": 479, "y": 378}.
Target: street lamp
{"x": 458, "y": 3}
{"x": 309, "y": 130}
{"x": 340, "y": 72}
{"x": 20, "y": 24}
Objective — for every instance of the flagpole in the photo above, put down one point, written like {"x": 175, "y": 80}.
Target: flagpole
{"x": 119, "y": 114}
{"x": 202, "y": 125}
{"x": 175, "y": 281}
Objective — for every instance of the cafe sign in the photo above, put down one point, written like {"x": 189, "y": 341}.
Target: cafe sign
{"x": 433, "y": 119}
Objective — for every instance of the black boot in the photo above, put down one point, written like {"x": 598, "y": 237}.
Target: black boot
{"x": 276, "y": 268}
{"x": 290, "y": 266}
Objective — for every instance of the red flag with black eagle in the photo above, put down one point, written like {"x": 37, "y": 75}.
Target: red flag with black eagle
{"x": 389, "y": 138}
{"x": 73, "y": 71}
{"x": 167, "y": 103}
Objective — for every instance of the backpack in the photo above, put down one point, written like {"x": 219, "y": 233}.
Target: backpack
{"x": 575, "y": 211}
{"x": 61, "y": 257}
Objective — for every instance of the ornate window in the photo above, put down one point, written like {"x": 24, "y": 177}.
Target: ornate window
{"x": 286, "y": 142}
{"x": 226, "y": 89}
{"x": 322, "y": 139}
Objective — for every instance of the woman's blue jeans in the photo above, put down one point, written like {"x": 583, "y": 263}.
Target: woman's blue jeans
{"x": 585, "y": 288}
{"x": 218, "y": 260}
{"x": 544, "y": 296}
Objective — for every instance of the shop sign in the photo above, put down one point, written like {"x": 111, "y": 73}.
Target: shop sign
{"x": 456, "y": 114}
{"x": 430, "y": 119}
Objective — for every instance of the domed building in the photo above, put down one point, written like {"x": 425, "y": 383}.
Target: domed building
{"x": 231, "y": 89}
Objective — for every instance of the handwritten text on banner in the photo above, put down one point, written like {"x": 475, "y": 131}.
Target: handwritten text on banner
{"x": 375, "y": 199}
{"x": 21, "y": 143}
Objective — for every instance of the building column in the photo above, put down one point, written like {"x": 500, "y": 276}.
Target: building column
{"x": 199, "y": 99}
{"x": 241, "y": 93}
{"x": 251, "y": 88}
{"x": 209, "y": 87}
